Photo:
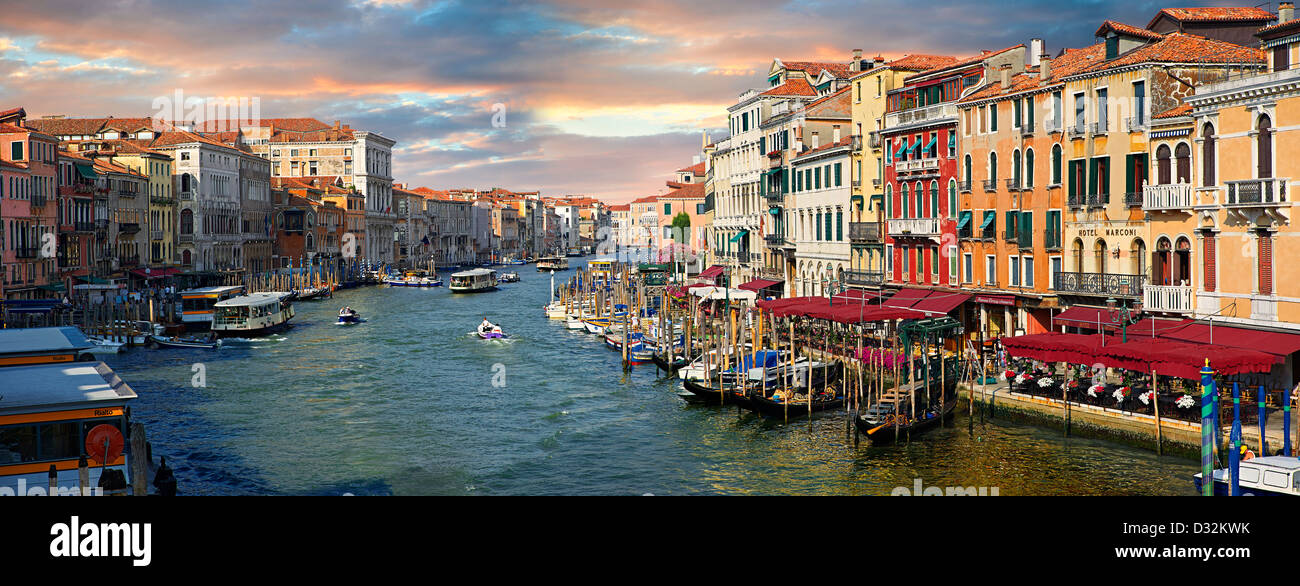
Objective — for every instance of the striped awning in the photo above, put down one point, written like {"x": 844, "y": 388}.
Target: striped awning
{"x": 1169, "y": 133}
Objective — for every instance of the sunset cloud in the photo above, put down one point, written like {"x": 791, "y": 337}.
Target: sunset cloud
{"x": 603, "y": 98}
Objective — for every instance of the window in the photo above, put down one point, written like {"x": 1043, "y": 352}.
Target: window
{"x": 699, "y": 209}
{"x": 818, "y": 226}
{"x": 1016, "y": 114}
{"x": 934, "y": 263}
{"x": 889, "y": 151}
{"x": 1264, "y": 148}
{"x": 990, "y": 270}
{"x": 1052, "y": 231}
{"x": 1079, "y": 105}
{"x": 1029, "y": 113}
{"x": 889, "y": 258}
{"x": 16, "y": 150}
{"x": 1103, "y": 121}
{"x": 1183, "y": 162}
{"x": 993, "y": 166}
{"x": 889, "y": 201}
{"x": 668, "y": 209}
{"x": 1162, "y": 165}
{"x": 1282, "y": 62}
{"x": 1207, "y": 155}
{"x": 952, "y": 198}
{"x": 1015, "y": 166}
{"x": 934, "y": 199}
{"x": 993, "y": 117}
{"x": 966, "y": 173}
{"x": 906, "y": 201}
{"x": 817, "y": 179}
{"x": 1057, "y": 264}
{"x": 967, "y": 267}
{"x": 907, "y": 263}
{"x": 952, "y": 145}
{"x": 838, "y": 182}
{"x": 839, "y": 225}
{"x": 1013, "y": 271}
{"x": 1140, "y": 101}
{"x": 1028, "y": 275}
{"x": 952, "y": 263}
{"x": 1057, "y": 115}
{"x": 1135, "y": 172}
{"x": 1029, "y": 168}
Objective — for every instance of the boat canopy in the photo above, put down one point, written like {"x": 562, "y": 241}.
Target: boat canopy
{"x": 724, "y": 293}
{"x": 473, "y": 273}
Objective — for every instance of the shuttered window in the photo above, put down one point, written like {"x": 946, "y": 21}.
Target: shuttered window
{"x": 1209, "y": 262}
{"x": 1282, "y": 57}
{"x": 1265, "y": 150}
{"x": 1265, "y": 264}
{"x": 1207, "y": 157}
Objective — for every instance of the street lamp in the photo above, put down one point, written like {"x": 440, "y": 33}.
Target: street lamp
{"x": 1123, "y": 316}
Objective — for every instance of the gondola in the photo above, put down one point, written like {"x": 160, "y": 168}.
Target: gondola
{"x": 678, "y": 361}
{"x": 699, "y": 394}
{"x": 208, "y": 342}
{"x": 883, "y": 430}
{"x": 775, "y": 408}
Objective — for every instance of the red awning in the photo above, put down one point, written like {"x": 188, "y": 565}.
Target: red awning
{"x": 1056, "y": 347}
{"x": 1166, "y": 357}
{"x": 712, "y": 272}
{"x": 928, "y": 301}
{"x": 1086, "y": 317}
{"x": 759, "y": 284}
{"x": 1275, "y": 343}
{"x": 155, "y": 273}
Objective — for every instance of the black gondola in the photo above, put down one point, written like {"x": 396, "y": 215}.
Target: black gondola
{"x": 823, "y": 378}
{"x": 678, "y": 362}
{"x": 884, "y": 430}
{"x": 699, "y": 394}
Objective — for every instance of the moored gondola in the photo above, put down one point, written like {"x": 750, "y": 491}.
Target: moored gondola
{"x": 882, "y": 428}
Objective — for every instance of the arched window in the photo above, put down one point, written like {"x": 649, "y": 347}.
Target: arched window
{"x": 1182, "y": 269}
{"x": 1076, "y": 251}
{"x": 1100, "y": 252}
{"x": 1029, "y": 167}
{"x": 1264, "y": 147}
{"x": 906, "y": 201}
{"x": 919, "y": 200}
{"x": 966, "y": 175}
{"x": 1161, "y": 265}
{"x": 1139, "y": 253}
{"x": 993, "y": 166}
{"x": 187, "y": 222}
{"x": 1015, "y": 166}
{"x": 889, "y": 201}
{"x": 1056, "y": 164}
{"x": 1162, "y": 165}
{"x": 934, "y": 198}
{"x": 1207, "y": 156}
{"x": 187, "y": 258}
{"x": 1183, "y": 162}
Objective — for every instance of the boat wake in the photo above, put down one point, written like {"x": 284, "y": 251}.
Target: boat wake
{"x": 254, "y": 340}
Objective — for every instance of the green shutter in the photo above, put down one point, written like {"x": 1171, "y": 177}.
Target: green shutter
{"x": 1026, "y": 229}
{"x": 785, "y": 181}
{"x": 1016, "y": 122}
{"x": 1092, "y": 176}
{"x": 1128, "y": 174}
{"x": 1010, "y": 230}
{"x": 839, "y": 226}
{"x": 838, "y": 181}
{"x": 993, "y": 115}
{"x": 1029, "y": 107}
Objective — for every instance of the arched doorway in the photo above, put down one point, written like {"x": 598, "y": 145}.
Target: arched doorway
{"x": 1163, "y": 272}
{"x": 1183, "y": 261}
{"x": 1076, "y": 252}
{"x": 1099, "y": 252}
{"x": 1139, "y": 253}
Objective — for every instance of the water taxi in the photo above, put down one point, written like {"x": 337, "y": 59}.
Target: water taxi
{"x": 473, "y": 281}
{"x": 349, "y": 316}
{"x": 413, "y": 279}
{"x": 602, "y": 269}
{"x": 509, "y": 277}
{"x": 197, "y": 304}
{"x": 209, "y": 342}
{"x": 552, "y": 263}
{"x": 255, "y": 314}
{"x": 53, "y": 408}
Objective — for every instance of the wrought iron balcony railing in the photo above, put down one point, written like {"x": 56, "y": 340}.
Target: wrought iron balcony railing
{"x": 869, "y": 231}
{"x": 1256, "y": 192}
{"x": 1100, "y": 284}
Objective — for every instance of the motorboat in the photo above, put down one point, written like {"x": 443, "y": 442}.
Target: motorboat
{"x": 489, "y": 331}
{"x": 349, "y": 316}
{"x": 413, "y": 279}
{"x": 553, "y": 263}
{"x": 509, "y": 277}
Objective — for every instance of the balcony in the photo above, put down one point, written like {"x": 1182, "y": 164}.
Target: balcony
{"x": 1256, "y": 193}
{"x": 873, "y": 140}
{"x": 101, "y": 224}
{"x": 187, "y": 195}
{"x": 875, "y": 183}
{"x": 865, "y": 278}
{"x": 919, "y": 115}
{"x": 1167, "y": 298}
{"x": 1052, "y": 126}
{"x": 1013, "y": 184}
{"x": 1097, "y": 200}
{"x": 774, "y": 239}
{"x": 963, "y": 186}
{"x": 1099, "y": 127}
{"x": 1076, "y": 131}
{"x": 927, "y": 164}
{"x": 990, "y": 185}
{"x": 155, "y": 234}
{"x": 1100, "y": 284}
{"x": 771, "y": 274}
{"x": 38, "y": 201}
{"x": 128, "y": 228}
{"x": 857, "y": 184}
{"x": 125, "y": 193}
{"x": 83, "y": 226}
{"x": 913, "y": 227}
{"x": 129, "y": 261}
{"x": 1169, "y": 197}
{"x": 185, "y": 237}
{"x": 1026, "y": 130}
{"x": 1135, "y": 124}
{"x": 25, "y": 252}
{"x": 868, "y": 231}
{"x": 162, "y": 200}
{"x": 1132, "y": 198}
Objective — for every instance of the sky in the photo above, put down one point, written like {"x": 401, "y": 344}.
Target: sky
{"x": 594, "y": 97}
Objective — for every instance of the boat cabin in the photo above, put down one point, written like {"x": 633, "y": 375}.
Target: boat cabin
{"x": 25, "y": 346}
{"x": 474, "y": 280}
{"x": 47, "y": 412}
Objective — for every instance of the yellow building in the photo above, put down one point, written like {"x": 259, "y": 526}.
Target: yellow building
{"x": 163, "y": 215}
{"x": 867, "y": 163}
{"x": 1242, "y": 178}
{"x": 1105, "y": 113}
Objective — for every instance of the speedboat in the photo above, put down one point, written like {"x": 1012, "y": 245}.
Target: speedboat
{"x": 508, "y": 277}
{"x": 490, "y": 331}
{"x": 104, "y": 345}
{"x": 349, "y": 316}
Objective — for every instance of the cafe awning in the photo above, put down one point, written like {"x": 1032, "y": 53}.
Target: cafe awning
{"x": 760, "y": 284}
{"x": 712, "y": 272}
{"x": 155, "y": 273}
{"x": 1082, "y": 316}
{"x": 1276, "y": 343}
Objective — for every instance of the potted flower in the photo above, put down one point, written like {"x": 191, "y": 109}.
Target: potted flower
{"x": 1024, "y": 378}
{"x": 1045, "y": 382}
{"x": 1185, "y": 402}
{"x": 1121, "y": 393}
{"x": 1095, "y": 390}
{"x": 1147, "y": 397}
{"x": 1008, "y": 375}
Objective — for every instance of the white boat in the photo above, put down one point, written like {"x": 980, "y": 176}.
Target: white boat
{"x": 553, "y": 263}
{"x": 196, "y": 304}
{"x": 133, "y": 332}
{"x": 104, "y": 345}
{"x": 413, "y": 279}
{"x": 509, "y": 277}
{"x": 474, "y": 281}
{"x": 255, "y": 314}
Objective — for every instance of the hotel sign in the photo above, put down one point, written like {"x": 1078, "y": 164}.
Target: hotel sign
{"x": 1106, "y": 231}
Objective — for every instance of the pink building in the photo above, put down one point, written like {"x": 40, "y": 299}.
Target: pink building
{"x": 28, "y": 209}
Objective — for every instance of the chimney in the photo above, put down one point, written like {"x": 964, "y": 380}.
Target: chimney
{"x": 1035, "y": 50}
{"x": 1006, "y": 76}
{"x": 835, "y": 134}
{"x": 814, "y": 139}
{"x": 1285, "y": 12}
{"x": 1044, "y": 67}
{"x": 856, "y": 64}
{"x": 877, "y": 61}
{"x": 336, "y": 124}
{"x": 798, "y": 139}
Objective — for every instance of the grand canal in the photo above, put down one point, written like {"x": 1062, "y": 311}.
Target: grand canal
{"x": 406, "y": 404}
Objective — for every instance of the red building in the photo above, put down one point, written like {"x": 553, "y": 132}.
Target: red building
{"x": 921, "y": 169}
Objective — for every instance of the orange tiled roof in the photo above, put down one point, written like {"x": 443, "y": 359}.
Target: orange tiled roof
{"x": 792, "y": 87}
{"x": 1214, "y": 14}
{"x": 687, "y": 191}
{"x": 1184, "y": 48}
{"x": 964, "y": 62}
{"x": 845, "y": 141}
{"x": 1265, "y": 32}
{"x": 1126, "y": 29}
{"x": 836, "y": 102}
{"x": 921, "y": 62}
{"x": 696, "y": 169}
{"x": 1176, "y": 111}
{"x": 815, "y": 68}
{"x": 626, "y": 207}
{"x": 1070, "y": 62}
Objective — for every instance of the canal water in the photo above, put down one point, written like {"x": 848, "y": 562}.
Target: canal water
{"x": 406, "y": 404}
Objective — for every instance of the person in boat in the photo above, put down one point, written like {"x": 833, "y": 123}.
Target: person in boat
{"x": 488, "y": 327}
